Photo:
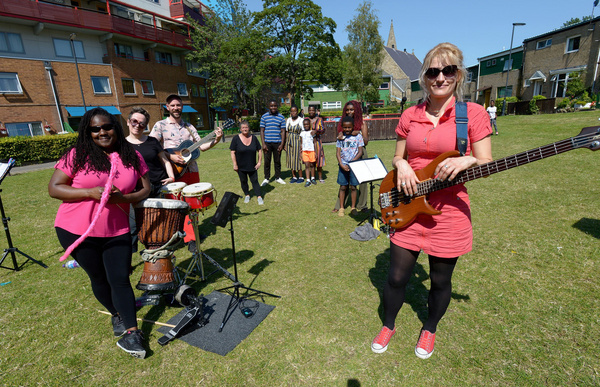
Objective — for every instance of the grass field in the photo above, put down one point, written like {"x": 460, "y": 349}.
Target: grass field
{"x": 524, "y": 309}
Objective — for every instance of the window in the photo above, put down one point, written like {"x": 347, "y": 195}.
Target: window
{"x": 202, "y": 91}
{"x": 537, "y": 87}
{"x": 490, "y": 63}
{"x": 543, "y": 44}
{"x": 147, "y": 87}
{"x": 163, "y": 57}
{"x": 384, "y": 86}
{"x": 182, "y": 89}
{"x": 573, "y": 44}
{"x": 128, "y": 86}
{"x": 194, "y": 90}
{"x": 508, "y": 65}
{"x": 11, "y": 43}
{"x": 470, "y": 76}
{"x": 123, "y": 50}
{"x": 9, "y": 83}
{"x": 504, "y": 92}
{"x": 101, "y": 85}
{"x": 28, "y": 129}
{"x": 62, "y": 48}
{"x": 332, "y": 105}
{"x": 154, "y": 1}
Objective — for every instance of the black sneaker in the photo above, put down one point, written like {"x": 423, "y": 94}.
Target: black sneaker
{"x": 313, "y": 181}
{"x": 133, "y": 343}
{"x": 118, "y": 325}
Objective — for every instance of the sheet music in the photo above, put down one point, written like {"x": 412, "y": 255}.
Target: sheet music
{"x": 5, "y": 167}
{"x": 368, "y": 169}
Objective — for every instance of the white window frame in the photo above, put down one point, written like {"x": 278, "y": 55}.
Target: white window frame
{"x": 133, "y": 82}
{"x": 384, "y": 86}
{"x": 151, "y": 85}
{"x": 182, "y": 90}
{"x": 102, "y": 79}
{"x": 39, "y": 131}
{"x": 572, "y": 39}
{"x": 5, "y": 37}
{"x": 543, "y": 44}
{"x": 11, "y": 76}
{"x": 331, "y": 105}
{"x": 77, "y": 46}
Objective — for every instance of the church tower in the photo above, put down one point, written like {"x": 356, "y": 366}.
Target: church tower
{"x": 391, "y": 43}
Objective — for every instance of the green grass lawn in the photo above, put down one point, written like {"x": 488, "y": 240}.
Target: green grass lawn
{"x": 525, "y": 300}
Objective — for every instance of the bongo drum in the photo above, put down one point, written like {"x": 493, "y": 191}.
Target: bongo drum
{"x": 199, "y": 196}
{"x": 172, "y": 190}
{"x": 158, "y": 220}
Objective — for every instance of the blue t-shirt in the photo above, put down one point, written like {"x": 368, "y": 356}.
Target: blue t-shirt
{"x": 273, "y": 123}
{"x": 349, "y": 147}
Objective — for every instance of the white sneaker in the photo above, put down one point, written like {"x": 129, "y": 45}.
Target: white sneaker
{"x": 247, "y": 199}
{"x": 261, "y": 201}
{"x": 280, "y": 181}
{"x": 264, "y": 182}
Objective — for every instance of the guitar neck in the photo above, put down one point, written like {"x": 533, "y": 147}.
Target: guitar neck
{"x": 516, "y": 160}
{"x": 208, "y": 138}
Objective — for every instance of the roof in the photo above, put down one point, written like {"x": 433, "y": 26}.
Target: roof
{"x": 407, "y": 62}
{"x": 562, "y": 29}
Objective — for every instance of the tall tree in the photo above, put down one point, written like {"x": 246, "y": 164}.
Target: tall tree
{"x": 301, "y": 43}
{"x": 364, "y": 54}
{"x": 230, "y": 50}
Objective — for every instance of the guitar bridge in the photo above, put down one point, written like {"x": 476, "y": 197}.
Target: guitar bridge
{"x": 385, "y": 200}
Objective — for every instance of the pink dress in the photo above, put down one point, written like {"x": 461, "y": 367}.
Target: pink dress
{"x": 449, "y": 234}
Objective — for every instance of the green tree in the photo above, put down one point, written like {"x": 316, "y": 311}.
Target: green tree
{"x": 230, "y": 50}
{"x": 301, "y": 44}
{"x": 364, "y": 54}
{"x": 575, "y": 20}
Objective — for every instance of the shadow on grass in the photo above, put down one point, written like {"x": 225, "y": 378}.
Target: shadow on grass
{"x": 588, "y": 226}
{"x": 416, "y": 291}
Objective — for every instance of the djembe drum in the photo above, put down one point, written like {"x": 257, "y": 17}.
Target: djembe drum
{"x": 159, "y": 221}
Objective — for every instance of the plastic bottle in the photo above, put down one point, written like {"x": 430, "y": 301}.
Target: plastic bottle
{"x": 72, "y": 264}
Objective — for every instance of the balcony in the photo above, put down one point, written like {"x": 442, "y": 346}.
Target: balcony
{"x": 90, "y": 19}
{"x": 180, "y": 10}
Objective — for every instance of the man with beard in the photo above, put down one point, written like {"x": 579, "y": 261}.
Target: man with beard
{"x": 173, "y": 130}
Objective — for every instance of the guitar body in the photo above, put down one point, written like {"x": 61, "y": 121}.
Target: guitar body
{"x": 402, "y": 210}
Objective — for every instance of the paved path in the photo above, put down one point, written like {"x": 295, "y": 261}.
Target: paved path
{"x": 32, "y": 167}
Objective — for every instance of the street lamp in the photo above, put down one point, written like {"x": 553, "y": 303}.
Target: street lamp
{"x": 509, "y": 64}
{"x": 72, "y": 36}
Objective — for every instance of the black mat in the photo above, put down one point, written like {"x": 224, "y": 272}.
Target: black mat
{"x": 237, "y": 327}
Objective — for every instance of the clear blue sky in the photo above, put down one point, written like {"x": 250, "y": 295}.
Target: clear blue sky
{"x": 479, "y": 28}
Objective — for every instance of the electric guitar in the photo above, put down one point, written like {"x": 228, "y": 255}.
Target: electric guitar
{"x": 190, "y": 151}
{"x": 399, "y": 210}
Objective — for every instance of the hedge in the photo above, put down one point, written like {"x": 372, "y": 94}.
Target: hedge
{"x": 32, "y": 150}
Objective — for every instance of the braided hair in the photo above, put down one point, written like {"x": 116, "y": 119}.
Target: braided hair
{"x": 358, "y": 118}
{"x": 89, "y": 156}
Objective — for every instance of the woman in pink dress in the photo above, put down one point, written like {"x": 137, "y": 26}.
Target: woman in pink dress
{"x": 424, "y": 132}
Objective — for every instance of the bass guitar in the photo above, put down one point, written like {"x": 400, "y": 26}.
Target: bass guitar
{"x": 399, "y": 210}
{"x": 190, "y": 151}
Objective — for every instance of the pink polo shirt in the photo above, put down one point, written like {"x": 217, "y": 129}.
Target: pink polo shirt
{"x": 449, "y": 234}
{"x": 75, "y": 217}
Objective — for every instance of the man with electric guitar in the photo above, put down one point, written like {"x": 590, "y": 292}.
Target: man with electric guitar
{"x": 173, "y": 131}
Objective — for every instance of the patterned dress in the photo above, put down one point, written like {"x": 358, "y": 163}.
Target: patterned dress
{"x": 293, "y": 143}
{"x": 317, "y": 125}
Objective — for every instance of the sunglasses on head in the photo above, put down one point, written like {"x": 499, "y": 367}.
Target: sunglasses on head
{"x": 448, "y": 71}
{"x": 105, "y": 127}
{"x": 135, "y": 122}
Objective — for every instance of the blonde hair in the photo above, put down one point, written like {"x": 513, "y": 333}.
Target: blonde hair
{"x": 448, "y": 54}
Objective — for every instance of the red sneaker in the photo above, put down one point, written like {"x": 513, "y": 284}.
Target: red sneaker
{"x": 380, "y": 342}
{"x": 425, "y": 345}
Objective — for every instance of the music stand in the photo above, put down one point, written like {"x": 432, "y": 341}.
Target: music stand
{"x": 368, "y": 171}
{"x": 4, "y": 169}
{"x": 223, "y": 214}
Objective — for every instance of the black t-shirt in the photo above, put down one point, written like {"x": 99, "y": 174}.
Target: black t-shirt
{"x": 245, "y": 156}
{"x": 150, "y": 150}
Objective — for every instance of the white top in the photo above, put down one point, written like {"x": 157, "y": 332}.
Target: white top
{"x": 492, "y": 111}
{"x": 307, "y": 141}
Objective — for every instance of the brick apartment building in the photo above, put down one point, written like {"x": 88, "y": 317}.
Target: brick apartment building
{"x": 127, "y": 53}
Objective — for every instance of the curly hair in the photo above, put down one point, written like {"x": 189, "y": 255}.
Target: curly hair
{"x": 447, "y": 54}
{"x": 89, "y": 156}
{"x": 358, "y": 117}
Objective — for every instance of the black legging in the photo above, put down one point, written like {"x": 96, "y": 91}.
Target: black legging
{"x": 402, "y": 263}
{"x": 243, "y": 175}
{"x": 107, "y": 261}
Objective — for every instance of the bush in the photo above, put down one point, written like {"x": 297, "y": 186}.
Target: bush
{"x": 254, "y": 123}
{"x": 27, "y": 150}
{"x": 285, "y": 110}
{"x": 563, "y": 103}
{"x": 533, "y": 107}
{"x": 500, "y": 103}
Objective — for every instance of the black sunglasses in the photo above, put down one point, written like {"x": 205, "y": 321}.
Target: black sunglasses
{"x": 105, "y": 127}
{"x": 448, "y": 71}
{"x": 137, "y": 123}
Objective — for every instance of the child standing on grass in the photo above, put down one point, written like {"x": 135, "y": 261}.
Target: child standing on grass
{"x": 349, "y": 148}
{"x": 308, "y": 153}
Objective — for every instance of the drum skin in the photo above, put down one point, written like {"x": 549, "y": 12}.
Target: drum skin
{"x": 199, "y": 196}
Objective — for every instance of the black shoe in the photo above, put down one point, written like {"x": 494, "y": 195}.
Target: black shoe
{"x": 354, "y": 212}
{"x": 133, "y": 343}
{"x": 118, "y": 325}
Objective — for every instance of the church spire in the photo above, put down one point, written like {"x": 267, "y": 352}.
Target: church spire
{"x": 391, "y": 43}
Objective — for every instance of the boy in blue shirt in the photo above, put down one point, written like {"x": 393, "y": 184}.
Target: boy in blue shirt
{"x": 350, "y": 148}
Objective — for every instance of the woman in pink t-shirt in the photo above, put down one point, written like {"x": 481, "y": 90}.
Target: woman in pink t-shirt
{"x": 105, "y": 255}
{"x": 424, "y": 132}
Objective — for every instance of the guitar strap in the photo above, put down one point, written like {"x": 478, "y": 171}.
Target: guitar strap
{"x": 462, "y": 127}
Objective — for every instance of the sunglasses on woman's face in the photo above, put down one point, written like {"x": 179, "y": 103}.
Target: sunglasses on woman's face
{"x": 448, "y": 71}
{"x": 137, "y": 123}
{"x": 105, "y": 127}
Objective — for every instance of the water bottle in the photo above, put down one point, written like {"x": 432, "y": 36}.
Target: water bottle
{"x": 72, "y": 264}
